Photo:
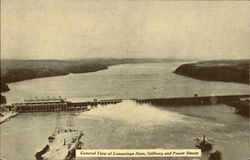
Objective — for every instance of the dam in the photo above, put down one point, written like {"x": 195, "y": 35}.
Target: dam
{"x": 61, "y": 104}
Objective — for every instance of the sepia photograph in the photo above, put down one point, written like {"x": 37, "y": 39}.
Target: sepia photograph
{"x": 125, "y": 80}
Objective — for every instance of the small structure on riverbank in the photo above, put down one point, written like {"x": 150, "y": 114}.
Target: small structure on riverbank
{"x": 5, "y": 116}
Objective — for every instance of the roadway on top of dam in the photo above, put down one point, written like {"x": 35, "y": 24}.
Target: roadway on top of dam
{"x": 196, "y": 100}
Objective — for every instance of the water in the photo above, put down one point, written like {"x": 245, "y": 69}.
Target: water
{"x": 129, "y": 125}
{"x": 121, "y": 81}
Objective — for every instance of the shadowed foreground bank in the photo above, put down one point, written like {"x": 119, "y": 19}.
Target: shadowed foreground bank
{"x": 241, "y": 107}
{"x": 219, "y": 70}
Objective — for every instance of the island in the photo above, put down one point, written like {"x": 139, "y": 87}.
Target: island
{"x": 217, "y": 70}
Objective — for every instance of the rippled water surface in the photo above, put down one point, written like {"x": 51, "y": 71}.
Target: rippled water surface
{"x": 129, "y": 125}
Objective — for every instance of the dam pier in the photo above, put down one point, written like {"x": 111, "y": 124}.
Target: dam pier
{"x": 61, "y": 104}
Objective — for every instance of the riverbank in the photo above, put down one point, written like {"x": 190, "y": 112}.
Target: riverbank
{"x": 5, "y": 116}
{"x": 241, "y": 107}
{"x": 19, "y": 70}
{"x": 140, "y": 81}
{"x": 219, "y": 70}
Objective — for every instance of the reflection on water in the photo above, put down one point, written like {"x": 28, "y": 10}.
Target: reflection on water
{"x": 129, "y": 125}
{"x": 121, "y": 81}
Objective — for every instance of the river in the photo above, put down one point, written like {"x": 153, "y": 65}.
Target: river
{"x": 129, "y": 125}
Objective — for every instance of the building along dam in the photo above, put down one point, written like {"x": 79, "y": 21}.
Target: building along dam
{"x": 61, "y": 104}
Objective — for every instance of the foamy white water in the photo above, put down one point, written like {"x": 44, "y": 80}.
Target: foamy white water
{"x": 133, "y": 113}
{"x": 129, "y": 125}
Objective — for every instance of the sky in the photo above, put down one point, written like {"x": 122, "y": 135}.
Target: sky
{"x": 72, "y": 29}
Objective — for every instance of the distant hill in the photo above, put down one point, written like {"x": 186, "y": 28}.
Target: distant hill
{"x": 218, "y": 70}
{"x": 18, "y": 70}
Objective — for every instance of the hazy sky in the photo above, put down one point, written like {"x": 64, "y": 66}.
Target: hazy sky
{"x": 63, "y": 29}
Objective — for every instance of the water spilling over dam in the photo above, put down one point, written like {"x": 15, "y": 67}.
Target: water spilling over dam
{"x": 173, "y": 128}
{"x": 53, "y": 105}
{"x": 133, "y": 113}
